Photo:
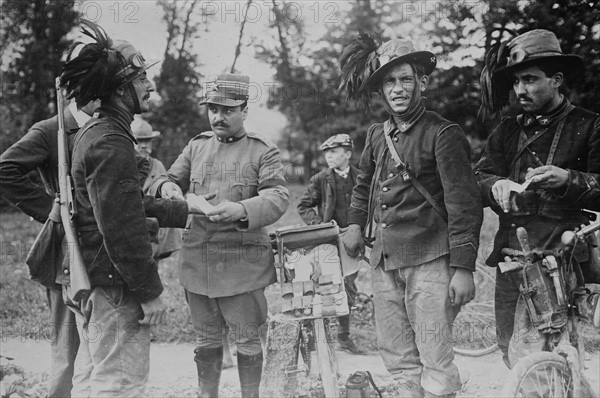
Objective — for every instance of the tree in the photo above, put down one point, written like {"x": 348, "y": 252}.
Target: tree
{"x": 178, "y": 116}
{"x": 32, "y": 40}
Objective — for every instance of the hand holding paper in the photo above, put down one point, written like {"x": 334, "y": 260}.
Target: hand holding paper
{"x": 198, "y": 204}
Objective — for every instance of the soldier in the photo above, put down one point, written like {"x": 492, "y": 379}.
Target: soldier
{"x": 416, "y": 184}
{"x": 226, "y": 260}
{"x": 124, "y": 300}
{"x": 553, "y": 145}
{"x": 38, "y": 149}
{"x": 330, "y": 191}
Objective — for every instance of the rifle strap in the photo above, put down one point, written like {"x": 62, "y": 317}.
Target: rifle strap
{"x": 400, "y": 165}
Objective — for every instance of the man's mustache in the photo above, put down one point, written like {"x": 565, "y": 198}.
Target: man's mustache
{"x": 523, "y": 97}
{"x": 220, "y": 124}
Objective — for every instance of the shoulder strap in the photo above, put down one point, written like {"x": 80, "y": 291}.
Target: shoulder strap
{"x": 83, "y": 130}
{"x": 400, "y": 165}
{"x": 525, "y": 142}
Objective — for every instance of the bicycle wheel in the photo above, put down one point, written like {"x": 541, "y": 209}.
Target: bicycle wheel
{"x": 541, "y": 374}
{"x": 474, "y": 329}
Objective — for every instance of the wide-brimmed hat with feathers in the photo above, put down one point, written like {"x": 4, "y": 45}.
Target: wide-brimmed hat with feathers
{"x": 504, "y": 57}
{"x": 365, "y": 61}
{"x": 95, "y": 70}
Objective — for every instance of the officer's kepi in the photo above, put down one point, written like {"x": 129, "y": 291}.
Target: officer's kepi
{"x": 227, "y": 90}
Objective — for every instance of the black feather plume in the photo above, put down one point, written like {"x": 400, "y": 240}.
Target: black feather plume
{"x": 494, "y": 92}
{"x": 358, "y": 62}
{"x": 91, "y": 74}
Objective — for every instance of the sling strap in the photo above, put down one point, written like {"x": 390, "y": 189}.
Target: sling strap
{"x": 525, "y": 142}
{"x": 406, "y": 175}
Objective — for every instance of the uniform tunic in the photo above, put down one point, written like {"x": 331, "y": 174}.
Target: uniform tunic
{"x": 226, "y": 259}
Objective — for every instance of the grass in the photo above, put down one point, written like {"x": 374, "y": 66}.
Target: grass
{"x": 24, "y": 311}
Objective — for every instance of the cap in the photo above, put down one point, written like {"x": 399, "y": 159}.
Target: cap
{"x": 227, "y": 90}
{"x": 338, "y": 140}
{"x": 136, "y": 64}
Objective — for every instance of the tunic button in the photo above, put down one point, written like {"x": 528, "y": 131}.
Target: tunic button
{"x": 110, "y": 276}
{"x": 390, "y": 175}
{"x": 513, "y": 225}
{"x": 395, "y": 139}
{"x": 383, "y": 226}
{"x": 385, "y": 189}
{"x": 384, "y": 207}
{"x": 66, "y": 271}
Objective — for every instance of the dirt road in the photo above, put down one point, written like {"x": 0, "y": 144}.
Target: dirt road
{"x": 172, "y": 369}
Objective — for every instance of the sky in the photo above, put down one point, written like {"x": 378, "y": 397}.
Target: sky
{"x": 140, "y": 22}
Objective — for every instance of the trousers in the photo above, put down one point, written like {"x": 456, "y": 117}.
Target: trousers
{"x": 414, "y": 319}
{"x": 114, "y": 354}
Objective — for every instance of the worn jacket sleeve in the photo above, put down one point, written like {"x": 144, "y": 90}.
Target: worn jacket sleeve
{"x": 16, "y": 162}
{"x": 583, "y": 188}
{"x": 492, "y": 166}
{"x": 358, "y": 212}
{"x": 179, "y": 172}
{"x": 169, "y": 213}
{"x": 312, "y": 197}
{"x": 273, "y": 196}
{"x": 462, "y": 198}
{"x": 112, "y": 182}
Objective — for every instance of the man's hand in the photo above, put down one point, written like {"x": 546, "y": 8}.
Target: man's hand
{"x": 170, "y": 190}
{"x": 155, "y": 312}
{"x": 227, "y": 212}
{"x": 462, "y": 288}
{"x": 353, "y": 241}
{"x": 198, "y": 204}
{"x": 502, "y": 190}
{"x": 548, "y": 177}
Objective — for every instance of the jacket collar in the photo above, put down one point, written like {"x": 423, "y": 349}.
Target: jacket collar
{"x": 530, "y": 120}
{"x": 120, "y": 116}
{"x": 395, "y": 124}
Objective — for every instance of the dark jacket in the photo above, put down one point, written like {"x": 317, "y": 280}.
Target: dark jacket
{"x": 111, "y": 222}
{"x": 409, "y": 231}
{"x": 38, "y": 149}
{"x": 545, "y": 214}
{"x": 321, "y": 192}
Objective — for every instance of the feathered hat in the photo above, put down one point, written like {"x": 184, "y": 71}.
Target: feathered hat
{"x": 364, "y": 62}
{"x": 97, "y": 69}
{"x": 504, "y": 57}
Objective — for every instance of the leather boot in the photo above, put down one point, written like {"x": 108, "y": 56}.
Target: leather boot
{"x": 588, "y": 306}
{"x": 250, "y": 371}
{"x": 208, "y": 362}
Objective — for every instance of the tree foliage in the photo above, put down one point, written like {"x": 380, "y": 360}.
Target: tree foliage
{"x": 32, "y": 41}
{"x": 178, "y": 116}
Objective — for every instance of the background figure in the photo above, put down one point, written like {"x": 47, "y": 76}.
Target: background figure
{"x": 38, "y": 149}
{"x": 226, "y": 261}
{"x": 556, "y": 147}
{"x": 416, "y": 184}
{"x": 330, "y": 192}
{"x": 169, "y": 239}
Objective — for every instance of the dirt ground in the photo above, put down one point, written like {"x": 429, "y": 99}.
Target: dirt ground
{"x": 172, "y": 371}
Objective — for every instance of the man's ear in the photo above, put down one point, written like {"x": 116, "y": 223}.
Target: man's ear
{"x": 423, "y": 83}
{"x": 558, "y": 79}
{"x": 245, "y": 112}
{"x": 120, "y": 91}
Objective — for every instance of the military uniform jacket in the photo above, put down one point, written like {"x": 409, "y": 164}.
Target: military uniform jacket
{"x": 409, "y": 231}
{"x": 111, "y": 220}
{"x": 225, "y": 259}
{"x": 321, "y": 193}
{"x": 545, "y": 214}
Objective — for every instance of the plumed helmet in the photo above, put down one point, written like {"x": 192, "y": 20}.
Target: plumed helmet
{"x": 142, "y": 130}
{"x": 336, "y": 141}
{"x": 100, "y": 67}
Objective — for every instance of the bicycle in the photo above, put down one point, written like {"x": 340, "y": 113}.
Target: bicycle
{"x": 552, "y": 280}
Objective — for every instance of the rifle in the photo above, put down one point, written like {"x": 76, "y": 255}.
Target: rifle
{"x": 80, "y": 282}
